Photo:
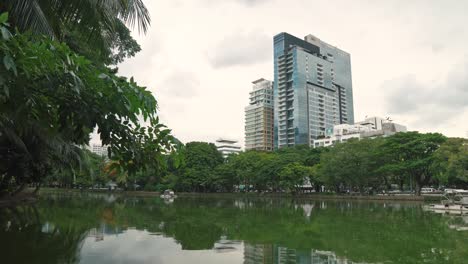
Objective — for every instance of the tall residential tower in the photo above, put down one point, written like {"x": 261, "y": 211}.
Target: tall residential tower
{"x": 259, "y": 117}
{"x": 312, "y": 89}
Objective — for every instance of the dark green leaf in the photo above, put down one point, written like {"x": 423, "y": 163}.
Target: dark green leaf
{"x": 9, "y": 63}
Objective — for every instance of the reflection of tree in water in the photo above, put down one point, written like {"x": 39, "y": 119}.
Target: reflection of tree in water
{"x": 302, "y": 232}
{"x": 361, "y": 232}
{"x": 24, "y": 238}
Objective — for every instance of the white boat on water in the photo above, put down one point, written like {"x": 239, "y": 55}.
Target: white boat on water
{"x": 168, "y": 194}
{"x": 440, "y": 208}
{"x": 457, "y": 205}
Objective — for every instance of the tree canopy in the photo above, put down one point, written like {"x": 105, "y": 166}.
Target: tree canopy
{"x": 51, "y": 100}
{"x": 366, "y": 166}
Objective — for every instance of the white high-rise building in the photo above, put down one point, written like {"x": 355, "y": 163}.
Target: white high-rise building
{"x": 227, "y": 146}
{"x": 259, "y": 117}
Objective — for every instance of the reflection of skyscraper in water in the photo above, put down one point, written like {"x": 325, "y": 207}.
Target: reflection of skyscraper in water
{"x": 269, "y": 254}
{"x": 286, "y": 256}
{"x": 258, "y": 254}
{"x": 328, "y": 257}
{"x": 274, "y": 254}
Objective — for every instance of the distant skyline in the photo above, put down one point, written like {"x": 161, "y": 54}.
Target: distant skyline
{"x": 409, "y": 59}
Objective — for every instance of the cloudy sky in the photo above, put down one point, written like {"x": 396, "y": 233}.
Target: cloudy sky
{"x": 409, "y": 59}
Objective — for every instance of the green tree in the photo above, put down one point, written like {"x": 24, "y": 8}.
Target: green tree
{"x": 200, "y": 161}
{"x": 351, "y": 165}
{"x": 451, "y": 162}
{"x": 412, "y": 154}
{"x": 52, "y": 99}
{"x": 293, "y": 176}
{"x": 87, "y": 172}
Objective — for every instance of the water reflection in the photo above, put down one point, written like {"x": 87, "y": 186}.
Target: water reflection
{"x": 274, "y": 254}
{"x": 91, "y": 228}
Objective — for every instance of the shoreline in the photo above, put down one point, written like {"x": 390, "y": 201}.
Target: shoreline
{"x": 23, "y": 199}
{"x": 308, "y": 196}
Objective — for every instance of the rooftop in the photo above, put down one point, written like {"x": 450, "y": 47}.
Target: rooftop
{"x": 224, "y": 140}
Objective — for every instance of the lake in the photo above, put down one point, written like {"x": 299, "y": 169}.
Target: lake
{"x": 101, "y": 228}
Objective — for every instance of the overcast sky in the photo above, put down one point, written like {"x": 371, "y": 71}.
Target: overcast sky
{"x": 409, "y": 59}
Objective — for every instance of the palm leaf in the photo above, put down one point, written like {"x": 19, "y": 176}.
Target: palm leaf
{"x": 29, "y": 15}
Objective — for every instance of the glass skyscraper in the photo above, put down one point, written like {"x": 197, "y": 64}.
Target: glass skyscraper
{"x": 312, "y": 89}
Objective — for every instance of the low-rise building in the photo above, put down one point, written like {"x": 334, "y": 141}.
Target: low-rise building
{"x": 369, "y": 128}
{"x": 374, "y": 122}
{"x": 227, "y": 146}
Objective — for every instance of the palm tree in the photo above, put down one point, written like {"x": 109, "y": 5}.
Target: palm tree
{"x": 29, "y": 153}
{"x": 49, "y": 16}
{"x": 95, "y": 21}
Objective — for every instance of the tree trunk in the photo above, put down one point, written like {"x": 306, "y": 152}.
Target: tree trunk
{"x": 386, "y": 183}
{"x": 418, "y": 187}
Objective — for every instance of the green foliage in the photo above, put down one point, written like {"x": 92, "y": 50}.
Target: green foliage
{"x": 95, "y": 29}
{"x": 51, "y": 99}
{"x": 412, "y": 154}
{"x": 451, "y": 162}
{"x": 364, "y": 166}
{"x": 200, "y": 161}
{"x": 352, "y": 165}
{"x": 293, "y": 176}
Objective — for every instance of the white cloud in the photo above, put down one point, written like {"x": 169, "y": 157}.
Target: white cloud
{"x": 241, "y": 49}
{"x": 430, "y": 103}
{"x": 181, "y": 84}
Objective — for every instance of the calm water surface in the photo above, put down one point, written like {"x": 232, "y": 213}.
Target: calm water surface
{"x": 91, "y": 228}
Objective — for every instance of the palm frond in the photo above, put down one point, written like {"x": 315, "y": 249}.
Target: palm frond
{"x": 9, "y": 134}
{"x": 29, "y": 15}
{"x": 135, "y": 12}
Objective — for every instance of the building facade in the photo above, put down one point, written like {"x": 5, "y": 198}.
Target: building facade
{"x": 369, "y": 128}
{"x": 374, "y": 122}
{"x": 312, "y": 89}
{"x": 227, "y": 146}
{"x": 259, "y": 117}
{"x": 99, "y": 149}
